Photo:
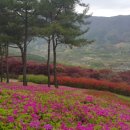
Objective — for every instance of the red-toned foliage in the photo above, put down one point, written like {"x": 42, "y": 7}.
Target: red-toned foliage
{"x": 87, "y": 83}
{"x": 125, "y": 76}
{"x": 15, "y": 68}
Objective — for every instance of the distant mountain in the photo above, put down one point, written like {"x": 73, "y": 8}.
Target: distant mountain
{"x": 110, "y": 29}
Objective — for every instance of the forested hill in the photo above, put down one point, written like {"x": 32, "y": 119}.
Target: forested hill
{"x": 110, "y": 29}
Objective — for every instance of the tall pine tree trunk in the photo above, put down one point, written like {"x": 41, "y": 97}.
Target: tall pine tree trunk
{"x": 24, "y": 67}
{"x": 22, "y": 57}
{"x": 54, "y": 63}
{"x": 1, "y": 63}
{"x": 7, "y": 65}
{"x": 25, "y": 50}
{"x": 48, "y": 63}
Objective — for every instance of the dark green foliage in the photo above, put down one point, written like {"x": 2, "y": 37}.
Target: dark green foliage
{"x": 59, "y": 18}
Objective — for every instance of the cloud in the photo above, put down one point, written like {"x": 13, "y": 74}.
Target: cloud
{"x": 109, "y": 12}
{"x": 107, "y": 7}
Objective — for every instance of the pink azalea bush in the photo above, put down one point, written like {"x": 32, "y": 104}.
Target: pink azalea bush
{"x": 42, "y": 108}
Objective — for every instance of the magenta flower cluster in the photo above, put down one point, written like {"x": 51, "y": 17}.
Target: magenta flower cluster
{"x": 42, "y": 108}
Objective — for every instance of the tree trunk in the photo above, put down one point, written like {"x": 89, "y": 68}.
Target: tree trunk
{"x": 22, "y": 55}
{"x": 1, "y": 64}
{"x": 24, "y": 68}
{"x": 7, "y": 65}
{"x": 48, "y": 63}
{"x": 54, "y": 63}
{"x": 25, "y": 50}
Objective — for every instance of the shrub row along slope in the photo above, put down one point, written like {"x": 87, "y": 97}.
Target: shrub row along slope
{"x": 86, "y": 83}
{"x": 119, "y": 88}
{"x": 15, "y": 68}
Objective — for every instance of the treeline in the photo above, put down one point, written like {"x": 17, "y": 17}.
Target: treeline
{"x": 54, "y": 20}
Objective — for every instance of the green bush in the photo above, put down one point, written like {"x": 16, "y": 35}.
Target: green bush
{"x": 38, "y": 79}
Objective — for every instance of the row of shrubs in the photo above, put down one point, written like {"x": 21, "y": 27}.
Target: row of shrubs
{"x": 15, "y": 68}
{"x": 86, "y": 83}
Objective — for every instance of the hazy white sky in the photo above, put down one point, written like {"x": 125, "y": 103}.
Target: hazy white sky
{"x": 107, "y": 7}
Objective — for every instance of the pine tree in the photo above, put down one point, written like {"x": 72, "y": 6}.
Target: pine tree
{"x": 60, "y": 24}
{"x": 4, "y": 34}
{"x": 24, "y": 13}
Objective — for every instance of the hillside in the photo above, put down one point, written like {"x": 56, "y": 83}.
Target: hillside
{"x": 38, "y": 107}
{"x": 110, "y": 29}
{"x": 111, "y": 48}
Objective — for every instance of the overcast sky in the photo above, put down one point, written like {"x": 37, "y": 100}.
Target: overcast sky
{"x": 108, "y": 7}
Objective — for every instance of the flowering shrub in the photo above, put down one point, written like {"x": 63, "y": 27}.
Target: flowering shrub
{"x": 15, "y": 68}
{"x": 43, "y": 108}
{"x": 119, "y": 88}
{"x": 125, "y": 76}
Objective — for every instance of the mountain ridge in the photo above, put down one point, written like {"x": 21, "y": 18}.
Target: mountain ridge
{"x": 110, "y": 29}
